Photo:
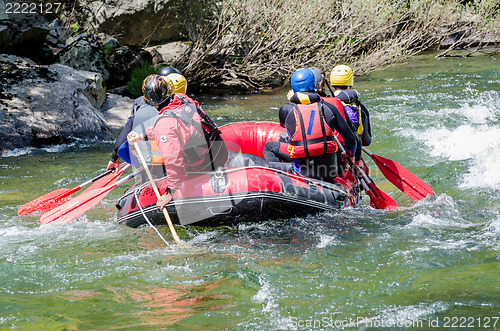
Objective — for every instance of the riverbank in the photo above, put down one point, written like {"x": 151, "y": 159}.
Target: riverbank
{"x": 61, "y": 71}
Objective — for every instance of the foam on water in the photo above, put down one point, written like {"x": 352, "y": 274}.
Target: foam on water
{"x": 31, "y": 150}
{"x": 77, "y": 144}
{"x": 267, "y": 296}
{"x": 483, "y": 171}
{"x": 469, "y": 132}
{"x": 456, "y": 144}
{"x": 204, "y": 237}
{"x": 490, "y": 234}
{"x": 460, "y": 143}
{"x": 327, "y": 240}
{"x": 429, "y": 221}
{"x": 18, "y": 152}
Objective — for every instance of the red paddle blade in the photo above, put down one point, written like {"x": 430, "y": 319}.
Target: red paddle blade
{"x": 46, "y": 202}
{"x": 379, "y": 199}
{"x": 76, "y": 206}
{"x": 415, "y": 188}
{"x": 58, "y": 197}
{"x": 85, "y": 201}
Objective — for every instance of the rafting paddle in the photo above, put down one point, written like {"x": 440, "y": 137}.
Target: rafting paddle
{"x": 415, "y": 188}
{"x": 58, "y": 197}
{"x": 82, "y": 203}
{"x": 378, "y": 199}
{"x": 157, "y": 193}
{"x": 110, "y": 179}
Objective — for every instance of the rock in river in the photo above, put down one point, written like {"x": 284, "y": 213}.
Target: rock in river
{"x": 47, "y": 104}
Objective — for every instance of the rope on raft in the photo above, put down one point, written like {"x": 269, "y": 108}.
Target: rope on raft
{"x": 147, "y": 219}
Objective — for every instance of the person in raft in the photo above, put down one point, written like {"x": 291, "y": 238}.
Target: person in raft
{"x": 277, "y": 151}
{"x": 138, "y": 102}
{"x": 186, "y": 137}
{"x": 310, "y": 123}
{"x": 342, "y": 80}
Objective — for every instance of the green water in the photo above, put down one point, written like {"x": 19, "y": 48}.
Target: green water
{"x": 430, "y": 265}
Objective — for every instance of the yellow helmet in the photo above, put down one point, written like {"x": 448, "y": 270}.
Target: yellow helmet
{"x": 178, "y": 82}
{"x": 342, "y": 75}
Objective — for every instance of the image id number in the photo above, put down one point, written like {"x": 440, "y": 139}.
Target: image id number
{"x": 32, "y": 8}
{"x": 470, "y": 322}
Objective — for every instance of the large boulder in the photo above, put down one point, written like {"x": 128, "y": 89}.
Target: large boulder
{"x": 136, "y": 22}
{"x": 122, "y": 61}
{"x": 168, "y": 53}
{"x": 116, "y": 110}
{"x": 84, "y": 52}
{"x": 24, "y": 35}
{"x": 48, "y": 104}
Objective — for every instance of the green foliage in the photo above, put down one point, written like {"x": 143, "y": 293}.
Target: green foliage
{"x": 137, "y": 77}
{"x": 75, "y": 27}
{"x": 107, "y": 51}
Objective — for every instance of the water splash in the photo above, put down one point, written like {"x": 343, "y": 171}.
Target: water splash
{"x": 483, "y": 170}
{"x": 78, "y": 144}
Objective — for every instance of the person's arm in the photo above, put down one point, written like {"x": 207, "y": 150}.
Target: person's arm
{"x": 283, "y": 113}
{"x": 170, "y": 148}
{"x": 167, "y": 134}
{"x": 122, "y": 137}
{"x": 366, "y": 137}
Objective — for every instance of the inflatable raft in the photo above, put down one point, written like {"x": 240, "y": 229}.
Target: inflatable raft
{"x": 246, "y": 190}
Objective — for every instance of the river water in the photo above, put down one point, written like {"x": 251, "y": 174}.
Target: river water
{"x": 429, "y": 265}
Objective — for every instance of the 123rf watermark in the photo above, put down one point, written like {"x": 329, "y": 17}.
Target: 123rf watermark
{"x": 437, "y": 322}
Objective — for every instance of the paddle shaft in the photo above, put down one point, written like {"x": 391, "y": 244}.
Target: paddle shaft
{"x": 365, "y": 186}
{"x": 97, "y": 178}
{"x": 378, "y": 199}
{"x": 364, "y": 179}
{"x": 90, "y": 181}
{"x": 158, "y": 195}
{"x": 329, "y": 87}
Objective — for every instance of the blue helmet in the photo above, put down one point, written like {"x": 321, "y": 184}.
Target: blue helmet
{"x": 303, "y": 80}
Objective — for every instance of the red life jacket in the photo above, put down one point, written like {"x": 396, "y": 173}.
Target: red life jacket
{"x": 312, "y": 135}
{"x": 205, "y": 142}
{"x": 338, "y": 104}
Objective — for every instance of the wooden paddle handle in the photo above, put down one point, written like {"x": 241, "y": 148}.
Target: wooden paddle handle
{"x": 155, "y": 188}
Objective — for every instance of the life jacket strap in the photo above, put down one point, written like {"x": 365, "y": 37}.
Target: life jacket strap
{"x": 303, "y": 129}
{"x": 311, "y": 141}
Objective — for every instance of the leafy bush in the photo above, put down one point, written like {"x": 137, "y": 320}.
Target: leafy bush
{"x": 137, "y": 77}
{"x": 107, "y": 51}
